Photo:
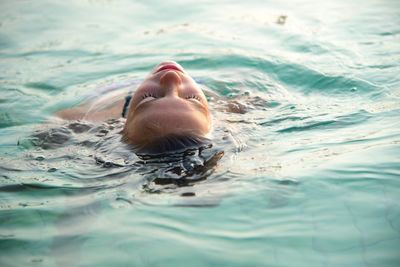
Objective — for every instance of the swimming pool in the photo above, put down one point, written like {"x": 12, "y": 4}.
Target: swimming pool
{"x": 310, "y": 173}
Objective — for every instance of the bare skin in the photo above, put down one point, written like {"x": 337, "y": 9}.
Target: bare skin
{"x": 105, "y": 108}
{"x": 167, "y": 102}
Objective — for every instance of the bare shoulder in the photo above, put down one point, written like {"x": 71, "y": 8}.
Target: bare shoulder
{"x": 104, "y": 108}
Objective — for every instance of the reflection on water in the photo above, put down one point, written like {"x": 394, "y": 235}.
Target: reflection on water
{"x": 304, "y": 164}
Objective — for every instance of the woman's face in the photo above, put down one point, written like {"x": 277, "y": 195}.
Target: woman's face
{"x": 168, "y": 102}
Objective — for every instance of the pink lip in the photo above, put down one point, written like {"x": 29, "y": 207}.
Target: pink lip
{"x": 169, "y": 67}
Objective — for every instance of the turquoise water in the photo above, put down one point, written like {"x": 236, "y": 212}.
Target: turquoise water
{"x": 310, "y": 173}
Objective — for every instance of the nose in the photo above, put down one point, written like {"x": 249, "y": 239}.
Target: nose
{"x": 171, "y": 83}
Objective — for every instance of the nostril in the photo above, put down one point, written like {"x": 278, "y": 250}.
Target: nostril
{"x": 170, "y": 77}
{"x": 170, "y": 83}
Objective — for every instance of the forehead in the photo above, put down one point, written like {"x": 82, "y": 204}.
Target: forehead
{"x": 165, "y": 117}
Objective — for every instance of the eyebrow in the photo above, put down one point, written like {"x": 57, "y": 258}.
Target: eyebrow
{"x": 200, "y": 105}
{"x": 140, "y": 105}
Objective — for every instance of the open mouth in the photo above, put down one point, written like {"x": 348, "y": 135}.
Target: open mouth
{"x": 169, "y": 66}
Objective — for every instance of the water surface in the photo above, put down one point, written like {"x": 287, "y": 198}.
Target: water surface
{"x": 307, "y": 176}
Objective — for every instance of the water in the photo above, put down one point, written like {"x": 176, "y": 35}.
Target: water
{"x": 309, "y": 174}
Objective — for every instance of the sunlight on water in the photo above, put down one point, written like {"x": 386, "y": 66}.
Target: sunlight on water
{"x": 304, "y": 167}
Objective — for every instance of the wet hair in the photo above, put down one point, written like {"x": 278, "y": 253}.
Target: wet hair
{"x": 172, "y": 144}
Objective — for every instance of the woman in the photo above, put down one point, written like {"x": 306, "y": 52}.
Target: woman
{"x": 168, "y": 111}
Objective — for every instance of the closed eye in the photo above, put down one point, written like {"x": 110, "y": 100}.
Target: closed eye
{"x": 146, "y": 97}
{"x": 195, "y": 97}
{"x": 149, "y": 94}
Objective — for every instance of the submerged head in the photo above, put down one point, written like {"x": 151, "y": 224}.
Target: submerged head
{"x": 168, "y": 103}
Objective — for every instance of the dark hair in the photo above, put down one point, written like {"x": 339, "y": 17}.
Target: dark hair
{"x": 171, "y": 144}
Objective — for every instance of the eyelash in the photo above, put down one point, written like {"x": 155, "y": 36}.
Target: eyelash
{"x": 193, "y": 96}
{"x": 148, "y": 94}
